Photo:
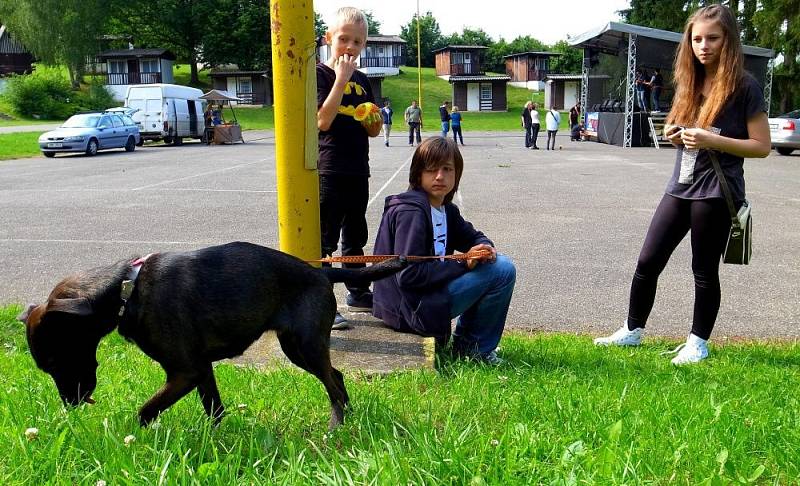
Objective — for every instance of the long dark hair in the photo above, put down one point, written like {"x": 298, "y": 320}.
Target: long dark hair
{"x": 431, "y": 154}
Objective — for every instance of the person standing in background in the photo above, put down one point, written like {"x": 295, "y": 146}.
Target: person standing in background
{"x": 552, "y": 120}
{"x": 445, "y": 116}
{"x": 413, "y": 117}
{"x": 386, "y": 114}
{"x": 526, "y": 122}
{"x": 535, "y": 125}
{"x": 455, "y": 121}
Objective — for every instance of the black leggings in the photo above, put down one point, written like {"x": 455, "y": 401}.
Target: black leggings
{"x": 457, "y": 131}
{"x": 709, "y": 222}
{"x": 551, "y": 135}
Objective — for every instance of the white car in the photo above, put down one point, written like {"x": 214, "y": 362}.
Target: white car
{"x": 785, "y": 132}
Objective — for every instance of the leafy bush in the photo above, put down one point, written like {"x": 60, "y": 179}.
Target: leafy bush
{"x": 46, "y": 93}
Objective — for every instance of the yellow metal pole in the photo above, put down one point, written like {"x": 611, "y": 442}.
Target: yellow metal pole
{"x": 295, "y": 88}
{"x": 419, "y": 63}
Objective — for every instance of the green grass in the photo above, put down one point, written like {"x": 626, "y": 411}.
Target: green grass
{"x": 559, "y": 412}
{"x": 182, "y": 73}
{"x": 18, "y": 145}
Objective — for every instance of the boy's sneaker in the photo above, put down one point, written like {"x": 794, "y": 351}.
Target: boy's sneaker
{"x": 623, "y": 337}
{"x": 339, "y": 322}
{"x": 491, "y": 359}
{"x": 692, "y": 351}
{"x": 359, "y": 302}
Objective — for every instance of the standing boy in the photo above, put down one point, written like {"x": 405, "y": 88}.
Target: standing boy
{"x": 386, "y": 114}
{"x": 344, "y": 147}
{"x": 444, "y": 114}
{"x": 413, "y": 117}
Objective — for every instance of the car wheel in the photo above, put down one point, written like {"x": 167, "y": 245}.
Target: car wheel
{"x": 130, "y": 145}
{"x": 91, "y": 147}
{"x": 140, "y": 142}
{"x": 785, "y": 150}
{"x": 49, "y": 155}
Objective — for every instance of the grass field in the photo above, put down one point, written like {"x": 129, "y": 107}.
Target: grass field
{"x": 19, "y": 145}
{"x": 560, "y": 412}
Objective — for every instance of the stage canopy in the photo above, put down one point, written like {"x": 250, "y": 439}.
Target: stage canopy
{"x": 617, "y": 50}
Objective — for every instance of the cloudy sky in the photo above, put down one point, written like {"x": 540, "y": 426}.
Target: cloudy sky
{"x": 546, "y": 20}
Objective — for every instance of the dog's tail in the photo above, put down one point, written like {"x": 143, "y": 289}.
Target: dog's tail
{"x": 363, "y": 276}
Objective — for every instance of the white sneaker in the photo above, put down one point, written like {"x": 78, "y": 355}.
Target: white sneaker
{"x": 623, "y": 337}
{"x": 692, "y": 351}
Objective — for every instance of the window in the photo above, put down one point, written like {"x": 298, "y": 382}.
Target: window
{"x": 467, "y": 58}
{"x": 149, "y": 65}
{"x": 128, "y": 121}
{"x": 486, "y": 91}
{"x": 116, "y": 67}
{"x": 380, "y": 51}
{"x": 116, "y": 121}
{"x": 105, "y": 122}
{"x": 245, "y": 85}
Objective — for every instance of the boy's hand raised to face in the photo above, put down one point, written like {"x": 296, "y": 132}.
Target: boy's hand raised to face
{"x": 345, "y": 65}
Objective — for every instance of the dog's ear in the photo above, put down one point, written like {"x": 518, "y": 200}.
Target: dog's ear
{"x": 79, "y": 306}
{"x": 23, "y": 316}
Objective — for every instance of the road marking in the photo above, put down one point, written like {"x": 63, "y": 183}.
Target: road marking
{"x": 202, "y": 174}
{"x": 389, "y": 181}
{"x": 110, "y": 242}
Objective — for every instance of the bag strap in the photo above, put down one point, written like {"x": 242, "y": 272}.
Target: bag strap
{"x": 723, "y": 182}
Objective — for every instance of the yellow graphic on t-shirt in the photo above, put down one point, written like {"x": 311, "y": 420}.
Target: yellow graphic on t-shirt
{"x": 352, "y": 85}
{"x": 365, "y": 111}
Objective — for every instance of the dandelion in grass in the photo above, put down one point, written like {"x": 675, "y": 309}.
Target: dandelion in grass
{"x": 494, "y": 442}
{"x": 128, "y": 440}
{"x": 502, "y": 378}
{"x": 100, "y": 482}
{"x": 31, "y": 433}
{"x": 242, "y": 407}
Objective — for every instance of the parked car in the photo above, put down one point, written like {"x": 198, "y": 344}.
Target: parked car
{"x": 90, "y": 132}
{"x": 785, "y": 132}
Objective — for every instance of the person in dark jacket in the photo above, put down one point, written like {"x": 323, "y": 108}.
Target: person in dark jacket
{"x": 424, "y": 297}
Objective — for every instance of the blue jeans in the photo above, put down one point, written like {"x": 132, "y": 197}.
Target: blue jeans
{"x": 481, "y": 298}
{"x": 641, "y": 98}
{"x": 445, "y": 128}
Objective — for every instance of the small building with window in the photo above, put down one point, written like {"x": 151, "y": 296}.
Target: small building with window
{"x": 529, "y": 69}
{"x": 14, "y": 58}
{"x": 127, "y": 67}
{"x": 473, "y": 89}
{"x": 253, "y": 87}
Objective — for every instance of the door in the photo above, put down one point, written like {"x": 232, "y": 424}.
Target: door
{"x": 192, "y": 118}
{"x": 133, "y": 71}
{"x": 473, "y": 97}
{"x": 106, "y": 137}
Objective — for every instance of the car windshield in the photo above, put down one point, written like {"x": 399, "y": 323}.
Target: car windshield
{"x": 791, "y": 114}
{"x": 81, "y": 121}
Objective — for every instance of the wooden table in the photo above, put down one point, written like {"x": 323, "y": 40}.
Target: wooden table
{"x": 227, "y": 134}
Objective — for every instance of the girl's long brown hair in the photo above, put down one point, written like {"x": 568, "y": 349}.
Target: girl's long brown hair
{"x": 688, "y": 107}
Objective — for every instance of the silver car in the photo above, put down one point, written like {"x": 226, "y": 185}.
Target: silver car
{"x": 90, "y": 132}
{"x": 785, "y": 132}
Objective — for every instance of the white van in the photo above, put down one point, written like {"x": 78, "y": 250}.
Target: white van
{"x": 168, "y": 112}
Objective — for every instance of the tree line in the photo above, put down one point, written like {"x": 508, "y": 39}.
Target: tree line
{"x": 216, "y": 32}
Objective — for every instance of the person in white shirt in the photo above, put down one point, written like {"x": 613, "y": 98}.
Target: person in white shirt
{"x": 552, "y": 120}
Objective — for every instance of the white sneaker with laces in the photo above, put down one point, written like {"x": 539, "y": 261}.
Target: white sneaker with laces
{"x": 622, "y": 337}
{"x": 692, "y": 351}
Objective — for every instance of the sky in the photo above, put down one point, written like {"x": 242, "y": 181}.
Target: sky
{"x": 546, "y": 20}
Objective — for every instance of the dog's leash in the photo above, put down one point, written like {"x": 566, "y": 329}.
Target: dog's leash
{"x": 470, "y": 255}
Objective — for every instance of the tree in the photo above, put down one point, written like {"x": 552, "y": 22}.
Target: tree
{"x": 778, "y": 25}
{"x": 58, "y": 31}
{"x": 570, "y": 60}
{"x": 658, "y": 14}
{"x": 177, "y": 25}
{"x": 374, "y": 27}
{"x": 319, "y": 26}
{"x": 248, "y": 25}
{"x": 430, "y": 39}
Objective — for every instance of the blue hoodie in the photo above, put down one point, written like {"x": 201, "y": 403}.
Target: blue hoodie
{"x": 416, "y": 299}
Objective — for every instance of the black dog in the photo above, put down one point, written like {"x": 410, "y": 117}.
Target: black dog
{"x": 188, "y": 309}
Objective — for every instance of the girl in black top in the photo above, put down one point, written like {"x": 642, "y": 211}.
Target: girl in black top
{"x": 719, "y": 107}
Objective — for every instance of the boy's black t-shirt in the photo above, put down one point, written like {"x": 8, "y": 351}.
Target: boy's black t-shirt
{"x": 747, "y": 100}
{"x": 344, "y": 147}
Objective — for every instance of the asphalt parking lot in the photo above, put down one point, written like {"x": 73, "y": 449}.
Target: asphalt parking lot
{"x": 573, "y": 220}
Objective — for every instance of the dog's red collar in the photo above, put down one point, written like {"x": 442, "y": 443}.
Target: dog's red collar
{"x": 130, "y": 281}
